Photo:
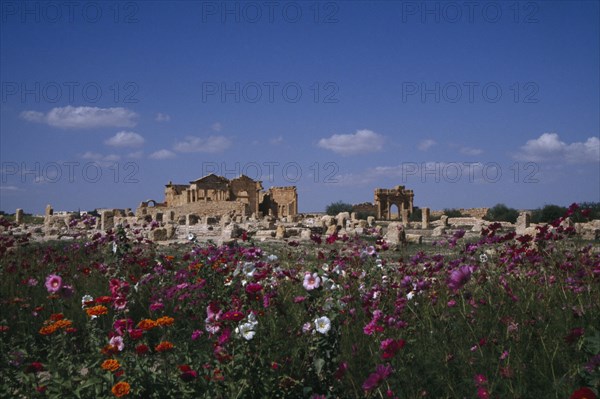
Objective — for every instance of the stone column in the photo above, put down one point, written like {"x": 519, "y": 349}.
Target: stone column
{"x": 107, "y": 220}
{"x": 19, "y": 216}
{"x": 523, "y": 222}
{"x": 404, "y": 214}
{"x": 425, "y": 218}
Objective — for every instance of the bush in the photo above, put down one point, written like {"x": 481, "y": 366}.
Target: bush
{"x": 591, "y": 208}
{"x": 416, "y": 215}
{"x": 548, "y": 213}
{"x": 337, "y": 207}
{"x": 502, "y": 213}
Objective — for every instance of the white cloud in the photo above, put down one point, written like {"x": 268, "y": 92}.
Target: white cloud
{"x": 162, "y": 154}
{"x": 160, "y": 117}
{"x": 548, "y": 147}
{"x": 348, "y": 144}
{"x": 135, "y": 155}
{"x": 94, "y": 156}
{"x": 125, "y": 139}
{"x": 9, "y": 188}
{"x": 217, "y": 126}
{"x": 33, "y": 116}
{"x": 101, "y": 160}
{"x": 83, "y": 117}
{"x": 211, "y": 144}
{"x": 277, "y": 140}
{"x": 471, "y": 151}
{"x": 424, "y": 145}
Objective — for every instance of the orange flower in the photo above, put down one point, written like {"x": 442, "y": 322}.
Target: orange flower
{"x": 121, "y": 389}
{"x": 63, "y": 324}
{"x": 165, "y": 321}
{"x": 110, "y": 364}
{"x": 96, "y": 310}
{"x": 164, "y": 346}
{"x": 109, "y": 350}
{"x": 147, "y": 324}
{"x": 57, "y": 316}
{"x": 47, "y": 330}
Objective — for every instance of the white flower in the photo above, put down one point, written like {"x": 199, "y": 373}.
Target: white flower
{"x": 272, "y": 258}
{"x": 323, "y": 324}
{"x": 191, "y": 237}
{"x": 410, "y": 295}
{"x": 311, "y": 281}
{"x": 249, "y": 269}
{"x": 86, "y": 298}
{"x": 325, "y": 267}
{"x": 246, "y": 330}
{"x": 114, "y": 247}
{"x": 483, "y": 258}
{"x": 252, "y": 319}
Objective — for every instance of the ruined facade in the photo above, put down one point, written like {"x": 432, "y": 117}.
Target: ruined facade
{"x": 214, "y": 195}
{"x": 280, "y": 202}
{"x": 398, "y": 196}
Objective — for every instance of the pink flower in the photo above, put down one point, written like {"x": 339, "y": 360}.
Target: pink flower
{"x": 117, "y": 342}
{"x": 53, "y": 283}
{"x": 390, "y": 347}
{"x": 253, "y": 288}
{"x": 122, "y": 325}
{"x": 381, "y": 373}
{"x": 480, "y": 379}
{"x": 119, "y": 303}
{"x": 483, "y": 393}
{"x": 311, "y": 281}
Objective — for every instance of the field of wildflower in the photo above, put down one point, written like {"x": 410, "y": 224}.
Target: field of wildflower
{"x": 337, "y": 317}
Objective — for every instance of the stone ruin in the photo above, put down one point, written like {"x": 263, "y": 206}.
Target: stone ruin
{"x": 223, "y": 211}
{"x": 214, "y": 195}
{"x": 398, "y": 196}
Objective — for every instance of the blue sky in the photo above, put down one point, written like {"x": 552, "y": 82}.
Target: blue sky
{"x": 467, "y": 103}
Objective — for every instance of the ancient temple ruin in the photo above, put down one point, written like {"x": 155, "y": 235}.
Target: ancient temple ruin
{"x": 214, "y": 195}
{"x": 398, "y": 196}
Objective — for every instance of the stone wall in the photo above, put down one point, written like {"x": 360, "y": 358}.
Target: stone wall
{"x": 473, "y": 212}
{"x": 211, "y": 208}
{"x": 366, "y": 208}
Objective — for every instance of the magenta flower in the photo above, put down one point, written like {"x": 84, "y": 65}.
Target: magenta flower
{"x": 253, "y": 288}
{"x": 381, "y": 373}
{"x": 459, "y": 277}
{"x": 390, "y": 347}
{"x": 53, "y": 283}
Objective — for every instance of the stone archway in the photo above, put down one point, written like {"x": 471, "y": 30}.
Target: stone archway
{"x": 397, "y": 196}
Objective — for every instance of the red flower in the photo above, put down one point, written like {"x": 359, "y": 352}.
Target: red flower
{"x": 233, "y": 315}
{"x": 142, "y": 349}
{"x": 34, "y": 367}
{"x": 187, "y": 374}
{"x": 583, "y": 393}
{"x": 136, "y": 334}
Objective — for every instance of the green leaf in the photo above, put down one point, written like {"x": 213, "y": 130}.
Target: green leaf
{"x": 319, "y": 363}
